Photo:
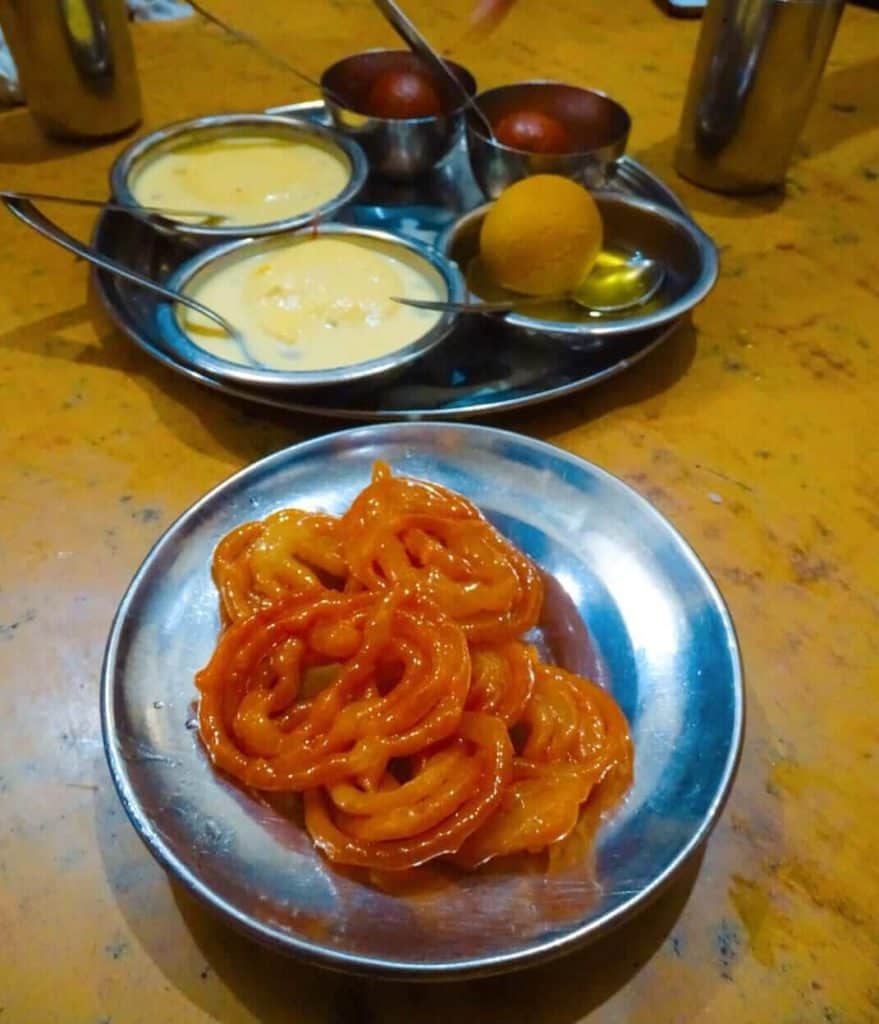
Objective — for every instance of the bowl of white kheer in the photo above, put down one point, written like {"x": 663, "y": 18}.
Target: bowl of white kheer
{"x": 310, "y": 308}
{"x": 252, "y": 174}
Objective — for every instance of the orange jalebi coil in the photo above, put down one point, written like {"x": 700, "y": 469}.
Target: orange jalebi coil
{"x": 574, "y": 738}
{"x": 288, "y": 553}
{"x": 429, "y": 816}
{"x": 374, "y": 664}
{"x": 501, "y": 680}
{"x": 418, "y": 535}
{"x": 398, "y": 683}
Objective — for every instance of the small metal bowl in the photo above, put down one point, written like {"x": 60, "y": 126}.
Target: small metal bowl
{"x": 184, "y": 350}
{"x": 599, "y": 126}
{"x": 398, "y": 148}
{"x": 630, "y": 225}
{"x": 217, "y": 125}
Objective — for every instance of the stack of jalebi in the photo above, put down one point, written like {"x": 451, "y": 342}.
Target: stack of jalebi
{"x": 374, "y": 663}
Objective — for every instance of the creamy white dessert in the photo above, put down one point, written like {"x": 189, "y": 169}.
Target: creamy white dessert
{"x": 316, "y": 304}
{"x": 250, "y": 179}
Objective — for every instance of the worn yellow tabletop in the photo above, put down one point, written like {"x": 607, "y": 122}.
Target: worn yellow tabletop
{"x": 754, "y": 431}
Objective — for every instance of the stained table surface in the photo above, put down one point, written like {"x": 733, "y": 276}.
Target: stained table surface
{"x": 753, "y": 430}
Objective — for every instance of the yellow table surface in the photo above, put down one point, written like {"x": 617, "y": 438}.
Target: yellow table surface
{"x": 754, "y": 431}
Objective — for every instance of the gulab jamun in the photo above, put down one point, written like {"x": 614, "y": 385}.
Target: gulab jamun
{"x": 398, "y": 94}
{"x": 533, "y": 132}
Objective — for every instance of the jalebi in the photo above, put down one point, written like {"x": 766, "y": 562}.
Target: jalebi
{"x": 288, "y": 553}
{"x": 398, "y": 684}
{"x": 403, "y": 532}
{"x": 573, "y": 738}
{"x": 374, "y": 663}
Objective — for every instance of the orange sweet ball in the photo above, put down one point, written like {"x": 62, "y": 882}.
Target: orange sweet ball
{"x": 542, "y": 236}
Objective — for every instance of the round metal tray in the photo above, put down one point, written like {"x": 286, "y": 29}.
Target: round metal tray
{"x": 479, "y": 369}
{"x": 627, "y": 602}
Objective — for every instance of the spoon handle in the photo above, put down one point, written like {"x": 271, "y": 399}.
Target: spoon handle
{"x": 647, "y": 274}
{"x": 101, "y": 204}
{"x": 26, "y": 212}
{"x": 416, "y": 42}
{"x": 270, "y": 55}
{"x": 411, "y": 36}
{"x": 444, "y": 306}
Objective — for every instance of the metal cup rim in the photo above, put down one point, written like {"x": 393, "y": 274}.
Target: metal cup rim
{"x": 616, "y": 144}
{"x": 578, "y": 332}
{"x": 125, "y": 163}
{"x": 329, "y": 96}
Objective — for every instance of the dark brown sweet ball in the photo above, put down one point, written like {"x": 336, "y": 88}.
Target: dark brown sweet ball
{"x": 533, "y": 132}
{"x": 398, "y": 94}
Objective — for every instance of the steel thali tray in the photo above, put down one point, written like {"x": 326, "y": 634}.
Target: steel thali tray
{"x": 479, "y": 370}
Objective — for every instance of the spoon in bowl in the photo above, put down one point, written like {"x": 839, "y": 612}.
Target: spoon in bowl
{"x": 27, "y": 213}
{"x": 416, "y": 42}
{"x": 631, "y": 282}
{"x": 201, "y": 217}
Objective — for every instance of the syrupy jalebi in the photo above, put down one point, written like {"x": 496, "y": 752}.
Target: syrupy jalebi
{"x": 376, "y": 664}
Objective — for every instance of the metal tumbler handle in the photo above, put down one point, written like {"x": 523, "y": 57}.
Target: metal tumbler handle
{"x": 76, "y": 64}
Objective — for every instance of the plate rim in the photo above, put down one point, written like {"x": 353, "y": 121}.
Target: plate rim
{"x": 340, "y": 960}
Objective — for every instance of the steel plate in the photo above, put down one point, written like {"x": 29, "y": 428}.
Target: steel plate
{"x": 656, "y": 634}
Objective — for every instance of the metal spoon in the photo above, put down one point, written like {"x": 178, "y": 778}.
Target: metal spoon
{"x": 26, "y": 212}
{"x": 205, "y": 219}
{"x": 641, "y": 276}
{"x": 418, "y": 44}
{"x": 267, "y": 54}
{"x": 619, "y": 281}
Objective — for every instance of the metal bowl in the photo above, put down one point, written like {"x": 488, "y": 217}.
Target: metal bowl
{"x": 179, "y": 344}
{"x": 398, "y": 148}
{"x": 631, "y": 225}
{"x": 215, "y": 125}
{"x": 598, "y": 124}
{"x": 627, "y": 602}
